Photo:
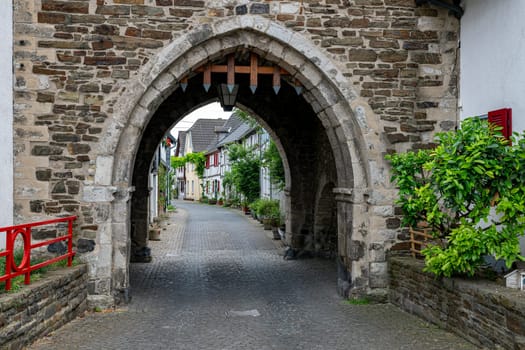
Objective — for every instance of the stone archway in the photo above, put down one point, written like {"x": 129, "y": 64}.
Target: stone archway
{"x": 325, "y": 221}
{"x": 348, "y": 126}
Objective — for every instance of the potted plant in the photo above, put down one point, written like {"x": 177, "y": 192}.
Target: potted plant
{"x": 268, "y": 211}
{"x": 220, "y": 201}
{"x": 244, "y": 207}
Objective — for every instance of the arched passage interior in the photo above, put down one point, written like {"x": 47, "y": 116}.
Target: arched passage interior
{"x": 310, "y": 164}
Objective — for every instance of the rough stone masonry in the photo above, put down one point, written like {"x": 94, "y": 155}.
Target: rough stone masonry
{"x": 91, "y": 75}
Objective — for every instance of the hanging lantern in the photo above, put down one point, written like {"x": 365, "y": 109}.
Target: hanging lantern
{"x": 227, "y": 96}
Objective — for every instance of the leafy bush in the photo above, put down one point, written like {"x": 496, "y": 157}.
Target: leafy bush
{"x": 272, "y": 160}
{"x": 453, "y": 188}
{"x": 268, "y": 209}
{"x": 244, "y": 174}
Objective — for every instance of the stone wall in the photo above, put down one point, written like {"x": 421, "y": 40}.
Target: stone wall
{"x": 42, "y": 307}
{"x": 487, "y": 314}
{"x": 74, "y": 58}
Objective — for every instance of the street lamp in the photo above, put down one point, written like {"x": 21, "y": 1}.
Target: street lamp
{"x": 227, "y": 96}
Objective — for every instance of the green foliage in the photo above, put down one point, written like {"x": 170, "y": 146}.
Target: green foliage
{"x": 198, "y": 159}
{"x": 272, "y": 160}
{"x": 453, "y": 187}
{"x": 17, "y": 282}
{"x": 177, "y": 162}
{"x": 244, "y": 174}
{"x": 248, "y": 119}
{"x": 358, "y": 301}
{"x": 269, "y": 209}
{"x": 163, "y": 175}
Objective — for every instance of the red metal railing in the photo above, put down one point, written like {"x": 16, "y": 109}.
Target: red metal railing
{"x": 13, "y": 270}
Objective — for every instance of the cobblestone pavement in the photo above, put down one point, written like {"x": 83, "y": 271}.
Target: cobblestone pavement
{"x": 218, "y": 281}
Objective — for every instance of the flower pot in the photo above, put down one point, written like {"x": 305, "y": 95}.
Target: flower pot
{"x": 267, "y": 224}
{"x": 276, "y": 233}
{"x": 154, "y": 234}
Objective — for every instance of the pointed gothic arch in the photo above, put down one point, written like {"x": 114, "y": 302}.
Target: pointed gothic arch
{"x": 348, "y": 127}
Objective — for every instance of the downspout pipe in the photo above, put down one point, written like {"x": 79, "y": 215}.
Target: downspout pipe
{"x": 455, "y": 8}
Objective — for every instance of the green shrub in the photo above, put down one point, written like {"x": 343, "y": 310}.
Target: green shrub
{"x": 17, "y": 282}
{"x": 269, "y": 209}
{"x": 453, "y": 188}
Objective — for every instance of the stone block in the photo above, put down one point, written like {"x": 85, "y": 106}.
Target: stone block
{"x": 78, "y": 148}
{"x": 289, "y": 8}
{"x": 147, "y": 11}
{"x": 258, "y": 9}
{"x": 129, "y": 2}
{"x": 378, "y": 274}
{"x": 98, "y": 193}
{"x": 104, "y": 166}
{"x": 278, "y": 32}
{"x": 115, "y": 10}
{"x": 355, "y": 250}
{"x": 189, "y": 3}
{"x": 65, "y": 6}
{"x": 53, "y": 18}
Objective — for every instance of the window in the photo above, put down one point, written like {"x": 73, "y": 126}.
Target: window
{"x": 502, "y": 117}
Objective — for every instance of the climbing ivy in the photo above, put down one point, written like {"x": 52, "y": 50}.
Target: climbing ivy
{"x": 453, "y": 188}
{"x": 198, "y": 159}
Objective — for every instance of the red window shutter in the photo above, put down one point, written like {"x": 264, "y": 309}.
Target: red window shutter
{"x": 218, "y": 186}
{"x": 502, "y": 117}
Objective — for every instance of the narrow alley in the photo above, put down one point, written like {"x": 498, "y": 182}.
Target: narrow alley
{"x": 218, "y": 281}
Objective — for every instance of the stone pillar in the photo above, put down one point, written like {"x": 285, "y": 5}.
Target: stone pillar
{"x": 362, "y": 266}
{"x": 288, "y": 215}
{"x": 100, "y": 260}
{"x": 139, "y": 226}
{"x": 121, "y": 245}
{"x": 344, "y": 237}
{"x": 6, "y": 113}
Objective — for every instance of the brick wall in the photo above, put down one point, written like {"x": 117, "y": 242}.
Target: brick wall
{"x": 42, "y": 307}
{"x": 485, "y": 313}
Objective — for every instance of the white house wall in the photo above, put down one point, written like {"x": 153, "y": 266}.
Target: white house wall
{"x": 492, "y": 59}
{"x": 6, "y": 114}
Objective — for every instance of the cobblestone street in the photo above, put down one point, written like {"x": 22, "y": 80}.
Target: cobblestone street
{"x": 217, "y": 281}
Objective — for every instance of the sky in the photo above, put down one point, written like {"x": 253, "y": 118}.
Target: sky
{"x": 210, "y": 111}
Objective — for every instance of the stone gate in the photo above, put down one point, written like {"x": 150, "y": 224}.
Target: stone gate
{"x": 98, "y": 85}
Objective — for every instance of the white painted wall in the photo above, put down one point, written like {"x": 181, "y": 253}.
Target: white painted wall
{"x": 6, "y": 114}
{"x": 493, "y": 59}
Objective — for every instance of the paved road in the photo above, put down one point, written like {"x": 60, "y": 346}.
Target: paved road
{"x": 218, "y": 281}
